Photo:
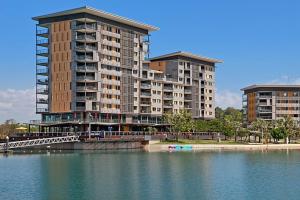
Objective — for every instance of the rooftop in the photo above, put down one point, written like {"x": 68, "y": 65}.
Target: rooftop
{"x": 99, "y": 13}
{"x": 269, "y": 86}
{"x": 189, "y": 55}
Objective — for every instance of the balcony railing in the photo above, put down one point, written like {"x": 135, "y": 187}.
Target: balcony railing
{"x": 86, "y": 48}
{"x": 85, "y": 58}
{"x": 42, "y": 71}
{"x": 42, "y": 51}
{"x": 82, "y": 88}
{"x": 86, "y": 98}
{"x": 42, "y": 42}
{"x": 41, "y": 32}
{"x": 85, "y": 37}
{"x": 86, "y": 26}
{"x": 42, "y": 91}
{"x": 87, "y": 68}
{"x": 42, "y": 61}
{"x": 187, "y": 91}
{"x": 168, "y": 88}
{"x": 147, "y": 103}
{"x": 42, "y": 101}
{"x": 147, "y": 86}
{"x": 145, "y": 94}
{"x": 42, "y": 82}
{"x": 41, "y": 110}
{"x": 168, "y": 96}
{"x": 88, "y": 78}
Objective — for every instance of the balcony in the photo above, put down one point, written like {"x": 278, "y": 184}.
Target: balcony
{"x": 145, "y": 111}
{"x": 86, "y": 98}
{"x": 146, "y": 94}
{"x": 187, "y": 91}
{"x": 42, "y": 52}
{"x": 85, "y": 88}
{"x": 42, "y": 101}
{"x": 86, "y": 78}
{"x": 168, "y": 97}
{"x": 168, "y": 105}
{"x": 42, "y": 110}
{"x": 85, "y": 58}
{"x": 145, "y": 86}
{"x": 43, "y": 43}
{"x": 43, "y": 62}
{"x": 86, "y": 48}
{"x": 86, "y": 38}
{"x": 111, "y": 43}
{"x": 168, "y": 88}
{"x": 145, "y": 103}
{"x": 43, "y": 72}
{"x": 42, "y": 82}
{"x": 42, "y": 91}
{"x": 43, "y": 31}
{"x": 87, "y": 68}
{"x": 264, "y": 111}
{"x": 87, "y": 27}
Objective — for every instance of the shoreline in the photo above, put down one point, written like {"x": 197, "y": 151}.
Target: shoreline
{"x": 155, "y": 147}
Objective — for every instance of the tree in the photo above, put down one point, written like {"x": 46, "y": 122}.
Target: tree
{"x": 262, "y": 126}
{"x": 219, "y": 113}
{"x": 181, "y": 121}
{"x": 233, "y": 123}
{"x": 278, "y": 133}
{"x": 243, "y": 132}
{"x": 288, "y": 126}
{"x": 151, "y": 130}
{"x": 8, "y": 128}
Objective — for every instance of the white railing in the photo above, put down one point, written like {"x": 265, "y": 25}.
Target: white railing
{"x": 38, "y": 142}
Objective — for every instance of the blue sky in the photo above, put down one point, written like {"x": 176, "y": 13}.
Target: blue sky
{"x": 259, "y": 41}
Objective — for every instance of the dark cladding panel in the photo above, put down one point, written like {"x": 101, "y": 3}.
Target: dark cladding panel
{"x": 127, "y": 62}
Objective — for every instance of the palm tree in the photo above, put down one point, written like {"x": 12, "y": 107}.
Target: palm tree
{"x": 262, "y": 126}
{"x": 289, "y": 126}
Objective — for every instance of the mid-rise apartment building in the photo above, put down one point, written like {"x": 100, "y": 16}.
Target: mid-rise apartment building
{"x": 93, "y": 69}
{"x": 271, "y": 102}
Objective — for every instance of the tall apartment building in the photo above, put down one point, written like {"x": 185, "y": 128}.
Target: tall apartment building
{"x": 93, "y": 69}
{"x": 271, "y": 102}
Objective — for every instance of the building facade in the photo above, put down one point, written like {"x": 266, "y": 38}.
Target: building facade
{"x": 271, "y": 102}
{"x": 93, "y": 69}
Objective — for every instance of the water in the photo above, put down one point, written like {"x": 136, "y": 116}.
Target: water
{"x": 141, "y": 175}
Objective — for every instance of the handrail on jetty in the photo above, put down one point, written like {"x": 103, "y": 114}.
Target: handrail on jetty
{"x": 38, "y": 142}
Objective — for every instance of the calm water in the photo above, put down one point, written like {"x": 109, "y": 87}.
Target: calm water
{"x": 141, "y": 175}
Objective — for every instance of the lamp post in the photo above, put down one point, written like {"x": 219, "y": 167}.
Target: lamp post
{"x": 7, "y": 140}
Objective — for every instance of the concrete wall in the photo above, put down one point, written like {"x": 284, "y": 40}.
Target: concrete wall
{"x": 90, "y": 146}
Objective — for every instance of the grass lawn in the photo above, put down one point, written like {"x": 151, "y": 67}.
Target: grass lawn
{"x": 186, "y": 141}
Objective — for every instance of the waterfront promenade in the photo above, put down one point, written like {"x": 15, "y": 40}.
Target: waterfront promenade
{"x": 155, "y": 146}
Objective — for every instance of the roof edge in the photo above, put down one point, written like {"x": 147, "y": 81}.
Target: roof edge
{"x": 269, "y": 86}
{"x": 99, "y": 13}
{"x": 187, "y": 54}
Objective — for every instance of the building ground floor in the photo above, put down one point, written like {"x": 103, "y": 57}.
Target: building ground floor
{"x": 95, "y": 122}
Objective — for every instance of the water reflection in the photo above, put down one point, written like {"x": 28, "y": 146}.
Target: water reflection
{"x": 141, "y": 175}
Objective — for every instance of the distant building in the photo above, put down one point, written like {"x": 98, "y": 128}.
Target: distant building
{"x": 93, "y": 67}
{"x": 271, "y": 102}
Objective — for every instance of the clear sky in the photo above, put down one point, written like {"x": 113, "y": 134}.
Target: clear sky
{"x": 259, "y": 41}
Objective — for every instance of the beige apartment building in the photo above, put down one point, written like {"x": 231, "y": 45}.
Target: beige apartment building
{"x": 271, "y": 102}
{"x": 93, "y": 69}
